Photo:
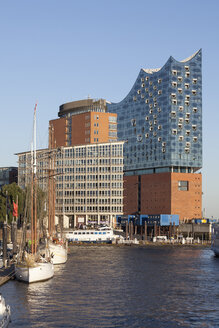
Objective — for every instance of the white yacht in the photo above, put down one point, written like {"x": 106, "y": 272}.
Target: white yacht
{"x": 215, "y": 239}
{"x": 5, "y": 313}
{"x": 99, "y": 235}
{"x": 58, "y": 251}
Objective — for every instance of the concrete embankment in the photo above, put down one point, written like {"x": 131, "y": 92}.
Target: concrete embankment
{"x": 143, "y": 243}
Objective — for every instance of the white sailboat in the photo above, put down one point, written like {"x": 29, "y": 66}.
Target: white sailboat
{"x": 58, "y": 251}
{"x": 32, "y": 267}
{"x": 5, "y": 313}
{"x": 34, "y": 271}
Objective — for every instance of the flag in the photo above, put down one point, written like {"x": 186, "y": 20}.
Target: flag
{"x": 15, "y": 209}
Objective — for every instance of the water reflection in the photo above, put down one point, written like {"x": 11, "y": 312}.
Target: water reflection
{"x": 122, "y": 287}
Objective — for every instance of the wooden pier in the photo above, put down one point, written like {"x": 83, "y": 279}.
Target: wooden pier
{"x": 6, "y": 274}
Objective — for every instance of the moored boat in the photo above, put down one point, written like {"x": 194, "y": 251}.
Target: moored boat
{"x": 33, "y": 267}
{"x": 99, "y": 235}
{"x": 215, "y": 239}
{"x": 5, "y": 313}
{"x": 35, "y": 272}
{"x": 58, "y": 251}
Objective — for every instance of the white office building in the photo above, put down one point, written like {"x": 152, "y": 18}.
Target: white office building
{"x": 88, "y": 180}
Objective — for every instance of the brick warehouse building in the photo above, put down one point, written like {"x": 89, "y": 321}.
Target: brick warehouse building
{"x": 161, "y": 121}
{"x": 163, "y": 195}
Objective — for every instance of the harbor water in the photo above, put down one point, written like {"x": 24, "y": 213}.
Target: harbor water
{"x": 111, "y": 286}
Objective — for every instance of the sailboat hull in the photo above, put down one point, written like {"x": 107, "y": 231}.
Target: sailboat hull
{"x": 215, "y": 239}
{"x": 4, "y": 321}
{"x": 39, "y": 272}
{"x": 5, "y": 314}
{"x": 58, "y": 253}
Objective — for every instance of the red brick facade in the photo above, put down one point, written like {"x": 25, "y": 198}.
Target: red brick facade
{"x": 159, "y": 194}
{"x": 59, "y": 127}
{"x": 84, "y": 128}
{"x": 155, "y": 193}
{"x": 130, "y": 194}
{"x": 188, "y": 204}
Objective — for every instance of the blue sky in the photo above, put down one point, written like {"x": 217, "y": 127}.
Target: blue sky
{"x": 59, "y": 51}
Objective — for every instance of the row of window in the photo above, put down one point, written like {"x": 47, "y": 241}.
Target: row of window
{"x": 94, "y": 169}
{"x": 112, "y": 119}
{"x": 112, "y": 133}
{"x": 187, "y": 85}
{"x": 94, "y": 209}
{"x": 112, "y": 127}
{"x": 92, "y": 161}
{"x": 89, "y": 177}
{"x": 90, "y": 151}
{"x": 147, "y": 79}
{"x": 175, "y": 102}
{"x": 91, "y": 193}
{"x": 187, "y": 133}
{"x": 104, "y": 201}
{"x": 159, "y": 92}
{"x": 187, "y": 97}
{"x": 90, "y": 185}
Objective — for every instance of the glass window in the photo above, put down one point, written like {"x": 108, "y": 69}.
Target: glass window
{"x": 183, "y": 185}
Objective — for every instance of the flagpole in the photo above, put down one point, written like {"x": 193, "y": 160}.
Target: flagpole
{"x": 17, "y": 207}
{"x": 35, "y": 181}
{"x": 6, "y": 207}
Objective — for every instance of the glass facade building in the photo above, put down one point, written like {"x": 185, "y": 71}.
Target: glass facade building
{"x": 160, "y": 119}
{"x": 89, "y": 180}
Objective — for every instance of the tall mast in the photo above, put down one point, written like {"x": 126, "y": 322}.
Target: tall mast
{"x": 34, "y": 140}
{"x": 32, "y": 219}
{"x": 34, "y": 180}
{"x": 51, "y": 184}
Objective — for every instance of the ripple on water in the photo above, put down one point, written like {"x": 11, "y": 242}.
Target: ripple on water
{"x": 122, "y": 287}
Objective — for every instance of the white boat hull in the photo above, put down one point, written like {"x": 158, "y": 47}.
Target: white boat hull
{"x": 215, "y": 239}
{"x": 58, "y": 253}
{"x": 5, "y": 317}
{"x": 40, "y": 272}
{"x": 215, "y": 250}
